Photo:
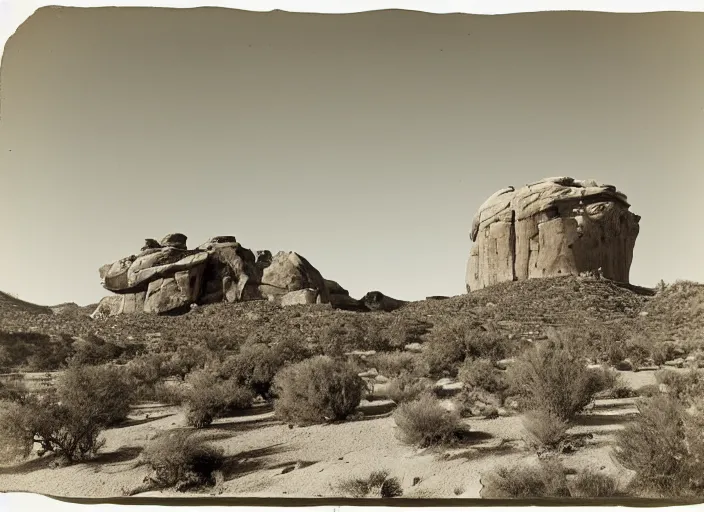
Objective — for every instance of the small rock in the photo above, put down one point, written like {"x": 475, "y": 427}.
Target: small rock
{"x": 678, "y": 363}
{"x": 381, "y": 379}
{"x": 490, "y": 305}
{"x": 503, "y": 364}
{"x": 625, "y": 366}
{"x": 369, "y": 373}
{"x": 414, "y": 347}
{"x": 664, "y": 388}
{"x": 416, "y": 480}
{"x": 503, "y": 412}
{"x": 643, "y": 313}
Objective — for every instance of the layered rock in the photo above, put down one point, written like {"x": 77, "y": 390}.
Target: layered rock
{"x": 557, "y": 226}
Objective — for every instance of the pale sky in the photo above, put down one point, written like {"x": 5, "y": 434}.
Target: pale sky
{"x": 365, "y": 142}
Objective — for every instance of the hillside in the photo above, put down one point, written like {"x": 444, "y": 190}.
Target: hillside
{"x": 594, "y": 313}
{"x": 10, "y": 305}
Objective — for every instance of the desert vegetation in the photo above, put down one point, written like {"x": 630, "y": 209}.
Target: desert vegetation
{"x": 494, "y": 375}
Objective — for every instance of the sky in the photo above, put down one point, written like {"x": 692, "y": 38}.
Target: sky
{"x": 364, "y": 142}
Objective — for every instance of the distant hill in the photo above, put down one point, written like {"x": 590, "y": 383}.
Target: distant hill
{"x": 9, "y": 303}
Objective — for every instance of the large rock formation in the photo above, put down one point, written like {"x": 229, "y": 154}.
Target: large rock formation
{"x": 557, "y": 226}
{"x": 167, "y": 277}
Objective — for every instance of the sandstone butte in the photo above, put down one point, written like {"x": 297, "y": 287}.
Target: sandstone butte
{"x": 556, "y": 226}
{"x": 166, "y": 277}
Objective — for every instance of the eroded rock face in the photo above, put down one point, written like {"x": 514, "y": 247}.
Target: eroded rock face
{"x": 557, "y": 226}
{"x": 167, "y": 277}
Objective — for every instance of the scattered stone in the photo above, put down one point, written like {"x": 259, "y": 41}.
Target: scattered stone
{"x": 677, "y": 363}
{"x": 643, "y": 313}
{"x": 414, "y": 347}
{"x": 503, "y": 364}
{"x": 624, "y": 366}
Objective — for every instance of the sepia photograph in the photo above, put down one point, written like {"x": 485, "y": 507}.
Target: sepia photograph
{"x": 388, "y": 255}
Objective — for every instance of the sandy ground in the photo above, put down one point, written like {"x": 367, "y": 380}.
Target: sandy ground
{"x": 266, "y": 458}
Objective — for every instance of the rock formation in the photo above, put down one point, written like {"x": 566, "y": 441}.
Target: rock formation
{"x": 557, "y": 226}
{"x": 167, "y": 277}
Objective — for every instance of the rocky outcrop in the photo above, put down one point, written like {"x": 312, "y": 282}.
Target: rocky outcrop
{"x": 557, "y": 226}
{"x": 167, "y": 277}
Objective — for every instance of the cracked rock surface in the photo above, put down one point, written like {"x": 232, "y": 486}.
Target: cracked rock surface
{"x": 556, "y": 226}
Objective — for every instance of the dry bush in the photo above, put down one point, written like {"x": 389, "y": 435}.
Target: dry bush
{"x": 376, "y": 485}
{"x": 424, "y": 422}
{"x": 482, "y": 374}
{"x": 664, "y": 446}
{"x": 545, "y": 480}
{"x": 548, "y": 377}
{"x": 207, "y": 397}
{"x": 394, "y": 364}
{"x": 687, "y": 387}
{"x": 182, "y": 459}
{"x": 256, "y": 364}
{"x": 591, "y": 484}
{"x": 317, "y": 390}
{"x": 546, "y": 429}
{"x": 406, "y": 388}
{"x": 69, "y": 420}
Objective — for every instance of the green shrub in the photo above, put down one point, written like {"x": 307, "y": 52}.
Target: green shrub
{"x": 424, "y": 422}
{"x": 548, "y": 377}
{"x": 182, "y": 459}
{"x": 317, "y": 390}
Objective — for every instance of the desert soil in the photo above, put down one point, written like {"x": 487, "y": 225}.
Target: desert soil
{"x": 266, "y": 458}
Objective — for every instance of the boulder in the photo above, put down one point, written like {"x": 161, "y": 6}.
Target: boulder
{"x": 306, "y": 296}
{"x": 377, "y": 301}
{"x": 167, "y": 277}
{"x": 289, "y": 271}
{"x": 177, "y": 240}
{"x": 557, "y": 226}
{"x": 173, "y": 294}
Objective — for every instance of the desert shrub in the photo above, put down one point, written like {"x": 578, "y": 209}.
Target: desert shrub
{"x": 393, "y": 364}
{"x": 424, "y": 422}
{"x": 165, "y": 394}
{"x": 351, "y": 333}
{"x": 13, "y": 391}
{"x": 402, "y": 331}
{"x": 256, "y": 364}
{"x": 663, "y": 446}
{"x": 32, "y": 351}
{"x": 94, "y": 351}
{"x": 69, "y": 420}
{"x": 547, "y": 376}
{"x": 406, "y": 388}
{"x": 207, "y": 397}
{"x": 622, "y": 390}
{"x": 545, "y": 480}
{"x": 101, "y": 392}
{"x": 182, "y": 459}
{"x": 450, "y": 344}
{"x": 686, "y": 387}
{"x": 475, "y": 401}
{"x": 482, "y": 374}
{"x": 591, "y": 484}
{"x": 317, "y": 390}
{"x": 377, "y": 484}
{"x": 546, "y": 429}
{"x": 147, "y": 370}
